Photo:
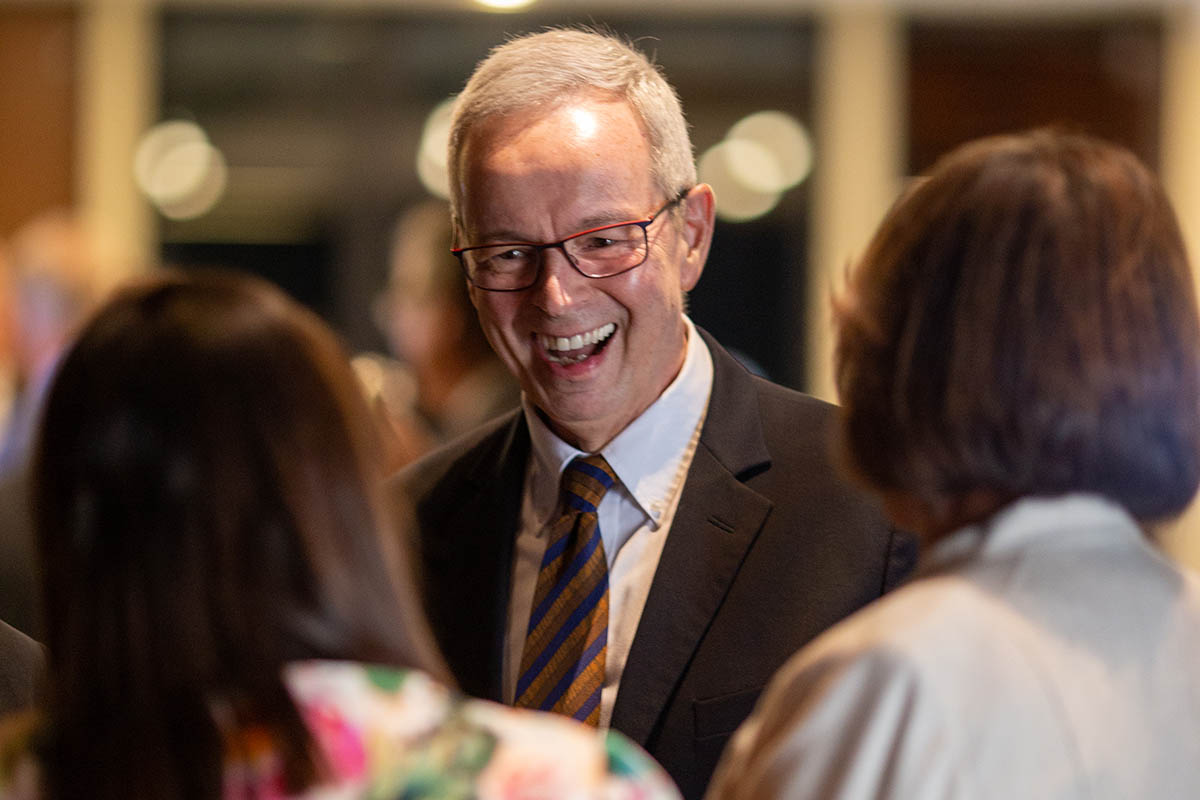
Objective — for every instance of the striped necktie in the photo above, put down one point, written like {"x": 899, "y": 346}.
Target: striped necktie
{"x": 562, "y": 666}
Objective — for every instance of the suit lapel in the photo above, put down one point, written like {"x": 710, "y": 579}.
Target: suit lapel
{"x": 717, "y": 520}
{"x": 474, "y": 561}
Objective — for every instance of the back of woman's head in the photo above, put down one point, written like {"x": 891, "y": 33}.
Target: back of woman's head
{"x": 207, "y": 507}
{"x": 1024, "y": 323}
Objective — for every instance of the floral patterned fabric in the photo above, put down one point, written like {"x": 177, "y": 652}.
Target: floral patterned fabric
{"x": 391, "y": 734}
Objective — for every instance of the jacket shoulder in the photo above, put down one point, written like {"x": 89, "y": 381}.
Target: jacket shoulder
{"x": 777, "y": 403}
{"x": 810, "y": 487}
{"x": 459, "y": 459}
{"x": 801, "y": 430}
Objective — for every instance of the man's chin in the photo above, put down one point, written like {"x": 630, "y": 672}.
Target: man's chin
{"x": 583, "y": 420}
{"x": 574, "y": 411}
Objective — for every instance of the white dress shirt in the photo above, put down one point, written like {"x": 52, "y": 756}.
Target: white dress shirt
{"x": 1050, "y": 653}
{"x": 651, "y": 458}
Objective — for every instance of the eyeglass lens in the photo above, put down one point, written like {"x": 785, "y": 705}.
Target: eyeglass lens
{"x": 597, "y": 254}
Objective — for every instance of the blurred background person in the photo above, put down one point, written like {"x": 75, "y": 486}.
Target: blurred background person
{"x": 431, "y": 327}
{"x": 21, "y": 665}
{"x": 8, "y": 325}
{"x": 53, "y": 272}
{"x": 20, "y": 656}
{"x": 209, "y": 515}
{"x": 52, "y": 269}
{"x": 1019, "y": 364}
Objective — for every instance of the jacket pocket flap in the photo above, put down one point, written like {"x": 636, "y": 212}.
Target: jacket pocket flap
{"x": 720, "y": 716}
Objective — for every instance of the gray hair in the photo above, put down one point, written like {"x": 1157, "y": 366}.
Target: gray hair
{"x": 537, "y": 71}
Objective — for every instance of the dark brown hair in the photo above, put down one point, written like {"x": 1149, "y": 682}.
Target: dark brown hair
{"x": 208, "y": 509}
{"x": 1024, "y": 323}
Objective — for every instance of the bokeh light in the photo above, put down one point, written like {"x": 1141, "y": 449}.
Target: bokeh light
{"x": 788, "y": 142}
{"x": 179, "y": 170}
{"x": 504, "y": 5}
{"x": 431, "y": 154}
{"x": 736, "y": 201}
{"x": 762, "y": 156}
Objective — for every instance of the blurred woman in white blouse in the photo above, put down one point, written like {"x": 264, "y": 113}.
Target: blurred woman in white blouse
{"x": 1019, "y": 365}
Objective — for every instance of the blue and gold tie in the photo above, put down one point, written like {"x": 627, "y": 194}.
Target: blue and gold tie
{"x": 562, "y": 666}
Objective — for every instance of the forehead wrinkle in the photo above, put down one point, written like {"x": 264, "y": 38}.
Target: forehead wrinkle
{"x": 607, "y": 218}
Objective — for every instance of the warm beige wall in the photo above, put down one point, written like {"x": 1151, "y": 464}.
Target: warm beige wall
{"x": 1181, "y": 173}
{"x": 37, "y": 111}
{"x": 117, "y": 77}
{"x": 859, "y": 115}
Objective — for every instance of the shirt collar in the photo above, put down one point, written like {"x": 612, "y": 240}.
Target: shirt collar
{"x": 647, "y": 454}
{"x": 1049, "y": 521}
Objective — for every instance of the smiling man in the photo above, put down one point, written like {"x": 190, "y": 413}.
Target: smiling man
{"x": 655, "y": 530}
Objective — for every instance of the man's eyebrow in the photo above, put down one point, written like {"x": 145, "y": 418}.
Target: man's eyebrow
{"x": 500, "y": 236}
{"x": 512, "y": 236}
{"x": 607, "y": 218}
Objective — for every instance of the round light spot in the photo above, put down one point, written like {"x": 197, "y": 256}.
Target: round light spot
{"x": 179, "y": 170}
{"x": 431, "y": 153}
{"x": 504, "y": 5}
{"x": 786, "y": 139}
{"x": 204, "y": 194}
{"x": 753, "y": 165}
{"x": 736, "y": 200}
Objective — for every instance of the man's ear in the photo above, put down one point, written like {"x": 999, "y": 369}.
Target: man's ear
{"x": 699, "y": 211}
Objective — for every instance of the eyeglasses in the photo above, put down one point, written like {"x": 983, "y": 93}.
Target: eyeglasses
{"x": 595, "y": 253}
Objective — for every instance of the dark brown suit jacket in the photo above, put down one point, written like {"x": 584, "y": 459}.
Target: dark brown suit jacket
{"x": 768, "y": 548}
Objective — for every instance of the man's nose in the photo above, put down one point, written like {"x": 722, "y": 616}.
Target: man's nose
{"x": 558, "y": 285}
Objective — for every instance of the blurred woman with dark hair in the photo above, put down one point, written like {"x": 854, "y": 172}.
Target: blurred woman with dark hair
{"x": 1019, "y": 364}
{"x": 218, "y": 590}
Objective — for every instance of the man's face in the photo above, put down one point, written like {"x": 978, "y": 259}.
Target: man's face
{"x": 539, "y": 176}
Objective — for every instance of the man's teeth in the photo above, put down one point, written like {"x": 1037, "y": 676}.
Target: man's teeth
{"x": 564, "y": 344}
{"x": 578, "y": 340}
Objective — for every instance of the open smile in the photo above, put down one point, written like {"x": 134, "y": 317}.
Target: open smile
{"x": 577, "y": 347}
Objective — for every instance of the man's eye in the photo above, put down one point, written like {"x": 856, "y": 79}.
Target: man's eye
{"x": 508, "y": 259}
{"x": 596, "y": 243}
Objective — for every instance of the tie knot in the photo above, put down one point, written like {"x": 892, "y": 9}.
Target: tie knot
{"x": 585, "y": 480}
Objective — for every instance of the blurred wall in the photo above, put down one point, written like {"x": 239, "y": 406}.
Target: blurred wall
{"x": 1181, "y": 172}
{"x": 75, "y": 94}
{"x": 858, "y": 170}
{"x": 37, "y": 111}
{"x": 117, "y": 77}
